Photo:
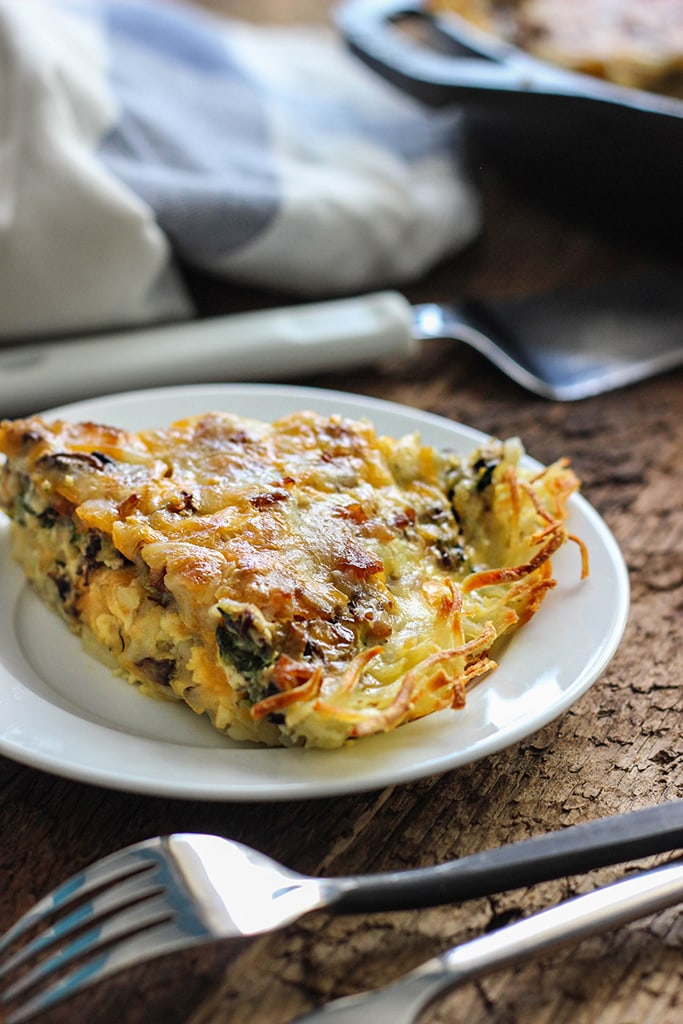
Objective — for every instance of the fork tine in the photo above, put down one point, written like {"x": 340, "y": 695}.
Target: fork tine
{"x": 98, "y": 940}
{"x": 125, "y": 909}
{"x": 119, "y": 895}
{"x": 118, "y": 865}
{"x": 156, "y": 940}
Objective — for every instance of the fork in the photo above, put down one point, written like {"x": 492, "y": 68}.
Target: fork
{"x": 173, "y": 892}
{"x": 598, "y": 911}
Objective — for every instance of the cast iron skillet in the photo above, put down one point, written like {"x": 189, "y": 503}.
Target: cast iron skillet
{"x": 599, "y": 147}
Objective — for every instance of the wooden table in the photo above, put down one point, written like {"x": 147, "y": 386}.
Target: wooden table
{"x": 617, "y": 748}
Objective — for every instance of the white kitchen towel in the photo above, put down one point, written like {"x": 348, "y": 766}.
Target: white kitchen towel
{"x": 139, "y": 135}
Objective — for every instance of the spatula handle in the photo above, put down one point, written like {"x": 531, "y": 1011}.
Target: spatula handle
{"x": 261, "y": 345}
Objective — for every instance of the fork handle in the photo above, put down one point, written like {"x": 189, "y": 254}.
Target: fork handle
{"x": 401, "y": 1002}
{"x": 578, "y": 848}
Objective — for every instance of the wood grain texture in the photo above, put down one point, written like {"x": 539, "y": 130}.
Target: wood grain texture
{"x": 617, "y": 748}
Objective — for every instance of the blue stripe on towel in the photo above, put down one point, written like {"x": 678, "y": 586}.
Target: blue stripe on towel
{"x": 192, "y": 138}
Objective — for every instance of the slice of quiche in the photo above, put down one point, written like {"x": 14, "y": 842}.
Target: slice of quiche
{"x": 301, "y": 582}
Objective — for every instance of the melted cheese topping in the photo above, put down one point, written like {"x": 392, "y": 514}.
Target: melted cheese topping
{"x": 304, "y": 581}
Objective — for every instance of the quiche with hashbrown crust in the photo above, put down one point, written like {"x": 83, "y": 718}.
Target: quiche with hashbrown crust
{"x": 300, "y": 582}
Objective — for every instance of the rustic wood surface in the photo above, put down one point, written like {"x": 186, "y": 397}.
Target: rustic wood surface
{"x": 618, "y": 748}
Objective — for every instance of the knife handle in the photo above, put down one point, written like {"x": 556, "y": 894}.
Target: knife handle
{"x": 261, "y": 345}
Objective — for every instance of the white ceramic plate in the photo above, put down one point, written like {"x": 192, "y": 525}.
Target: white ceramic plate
{"x": 63, "y": 712}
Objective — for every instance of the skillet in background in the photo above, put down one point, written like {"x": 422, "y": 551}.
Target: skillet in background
{"x": 599, "y": 151}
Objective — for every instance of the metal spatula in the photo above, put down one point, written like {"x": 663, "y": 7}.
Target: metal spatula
{"x": 565, "y": 345}
{"x": 574, "y": 343}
